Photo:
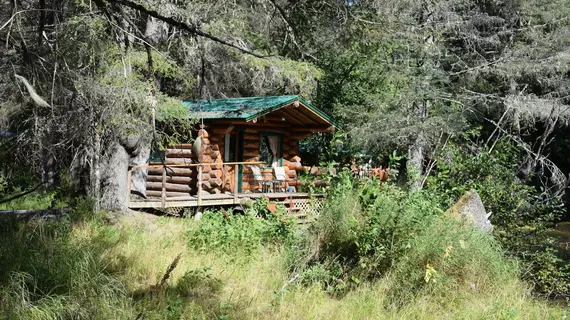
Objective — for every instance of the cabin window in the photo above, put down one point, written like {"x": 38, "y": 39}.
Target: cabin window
{"x": 230, "y": 147}
{"x": 270, "y": 149}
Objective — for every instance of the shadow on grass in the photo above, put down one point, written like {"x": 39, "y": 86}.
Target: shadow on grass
{"x": 47, "y": 271}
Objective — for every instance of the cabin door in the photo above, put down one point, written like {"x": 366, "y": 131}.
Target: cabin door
{"x": 233, "y": 152}
{"x": 271, "y": 149}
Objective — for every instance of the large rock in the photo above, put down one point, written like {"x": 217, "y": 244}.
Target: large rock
{"x": 139, "y": 156}
{"x": 471, "y": 207}
{"x": 130, "y": 150}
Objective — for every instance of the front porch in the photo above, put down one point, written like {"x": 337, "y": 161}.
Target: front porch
{"x": 197, "y": 196}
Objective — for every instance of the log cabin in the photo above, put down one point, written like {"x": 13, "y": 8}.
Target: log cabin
{"x": 236, "y": 135}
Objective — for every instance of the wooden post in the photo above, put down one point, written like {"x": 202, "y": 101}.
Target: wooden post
{"x": 129, "y": 177}
{"x": 236, "y": 181}
{"x": 163, "y": 187}
{"x": 223, "y": 177}
{"x": 199, "y": 185}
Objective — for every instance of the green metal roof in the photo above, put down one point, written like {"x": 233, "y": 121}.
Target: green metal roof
{"x": 246, "y": 108}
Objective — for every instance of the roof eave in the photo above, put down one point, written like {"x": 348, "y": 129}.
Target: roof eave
{"x": 306, "y": 104}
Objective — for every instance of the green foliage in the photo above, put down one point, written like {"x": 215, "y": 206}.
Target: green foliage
{"x": 521, "y": 215}
{"x": 83, "y": 268}
{"x": 234, "y": 233}
{"x": 46, "y": 274}
{"x": 370, "y": 231}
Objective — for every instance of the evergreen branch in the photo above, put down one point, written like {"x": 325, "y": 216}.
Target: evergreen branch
{"x": 192, "y": 29}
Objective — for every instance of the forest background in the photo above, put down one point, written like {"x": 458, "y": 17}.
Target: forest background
{"x": 457, "y": 94}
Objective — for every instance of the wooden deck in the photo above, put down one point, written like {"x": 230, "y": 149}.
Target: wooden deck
{"x": 219, "y": 199}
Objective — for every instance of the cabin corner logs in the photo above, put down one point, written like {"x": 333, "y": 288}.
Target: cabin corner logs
{"x": 217, "y": 177}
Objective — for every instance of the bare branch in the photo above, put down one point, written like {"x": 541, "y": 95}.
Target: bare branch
{"x": 37, "y": 99}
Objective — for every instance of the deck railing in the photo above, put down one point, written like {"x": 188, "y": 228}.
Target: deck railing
{"x": 199, "y": 180}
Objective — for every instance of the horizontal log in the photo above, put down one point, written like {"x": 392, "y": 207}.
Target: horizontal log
{"x": 251, "y": 147}
{"x": 297, "y": 166}
{"x": 251, "y": 136}
{"x": 217, "y": 135}
{"x": 168, "y": 186}
{"x": 181, "y": 146}
{"x": 179, "y": 153}
{"x": 294, "y": 182}
{"x": 250, "y": 156}
{"x": 178, "y": 161}
{"x": 158, "y": 194}
{"x": 299, "y": 136}
{"x": 173, "y": 171}
{"x": 291, "y": 141}
{"x": 172, "y": 179}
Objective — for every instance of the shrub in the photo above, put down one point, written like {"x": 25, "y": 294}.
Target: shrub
{"x": 449, "y": 256}
{"x": 521, "y": 214}
{"x": 370, "y": 231}
{"x": 219, "y": 230}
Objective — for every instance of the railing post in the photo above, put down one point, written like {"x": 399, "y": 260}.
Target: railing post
{"x": 236, "y": 181}
{"x": 223, "y": 177}
{"x": 199, "y": 185}
{"x": 163, "y": 196}
{"x": 129, "y": 178}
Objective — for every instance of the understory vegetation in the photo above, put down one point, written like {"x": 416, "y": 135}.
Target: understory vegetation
{"x": 377, "y": 251}
{"x": 447, "y": 96}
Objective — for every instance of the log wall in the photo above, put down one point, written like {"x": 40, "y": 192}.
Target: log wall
{"x": 217, "y": 178}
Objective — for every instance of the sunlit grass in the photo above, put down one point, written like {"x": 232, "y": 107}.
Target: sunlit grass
{"x": 134, "y": 254}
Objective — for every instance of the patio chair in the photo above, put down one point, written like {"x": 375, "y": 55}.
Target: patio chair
{"x": 258, "y": 179}
{"x": 280, "y": 182}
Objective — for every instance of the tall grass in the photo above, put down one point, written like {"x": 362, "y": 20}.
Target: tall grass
{"x": 375, "y": 253}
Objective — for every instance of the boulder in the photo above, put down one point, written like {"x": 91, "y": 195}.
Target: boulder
{"x": 471, "y": 207}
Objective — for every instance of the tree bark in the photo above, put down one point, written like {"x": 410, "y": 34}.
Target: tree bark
{"x": 114, "y": 179}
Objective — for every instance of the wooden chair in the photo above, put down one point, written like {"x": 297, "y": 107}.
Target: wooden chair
{"x": 280, "y": 182}
{"x": 259, "y": 180}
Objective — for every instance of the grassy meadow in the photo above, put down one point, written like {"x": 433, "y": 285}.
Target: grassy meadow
{"x": 141, "y": 266}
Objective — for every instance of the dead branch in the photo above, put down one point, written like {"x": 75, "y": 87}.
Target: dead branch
{"x": 37, "y": 99}
{"x": 171, "y": 268}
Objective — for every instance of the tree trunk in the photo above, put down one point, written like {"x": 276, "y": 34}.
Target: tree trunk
{"x": 140, "y": 157}
{"x": 96, "y": 179}
{"x": 416, "y": 151}
{"x": 114, "y": 179}
{"x": 414, "y": 165}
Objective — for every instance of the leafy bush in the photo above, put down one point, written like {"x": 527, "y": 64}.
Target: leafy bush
{"x": 219, "y": 230}
{"x": 521, "y": 214}
{"x": 370, "y": 230}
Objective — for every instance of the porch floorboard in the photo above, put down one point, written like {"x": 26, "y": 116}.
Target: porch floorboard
{"x": 214, "y": 199}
